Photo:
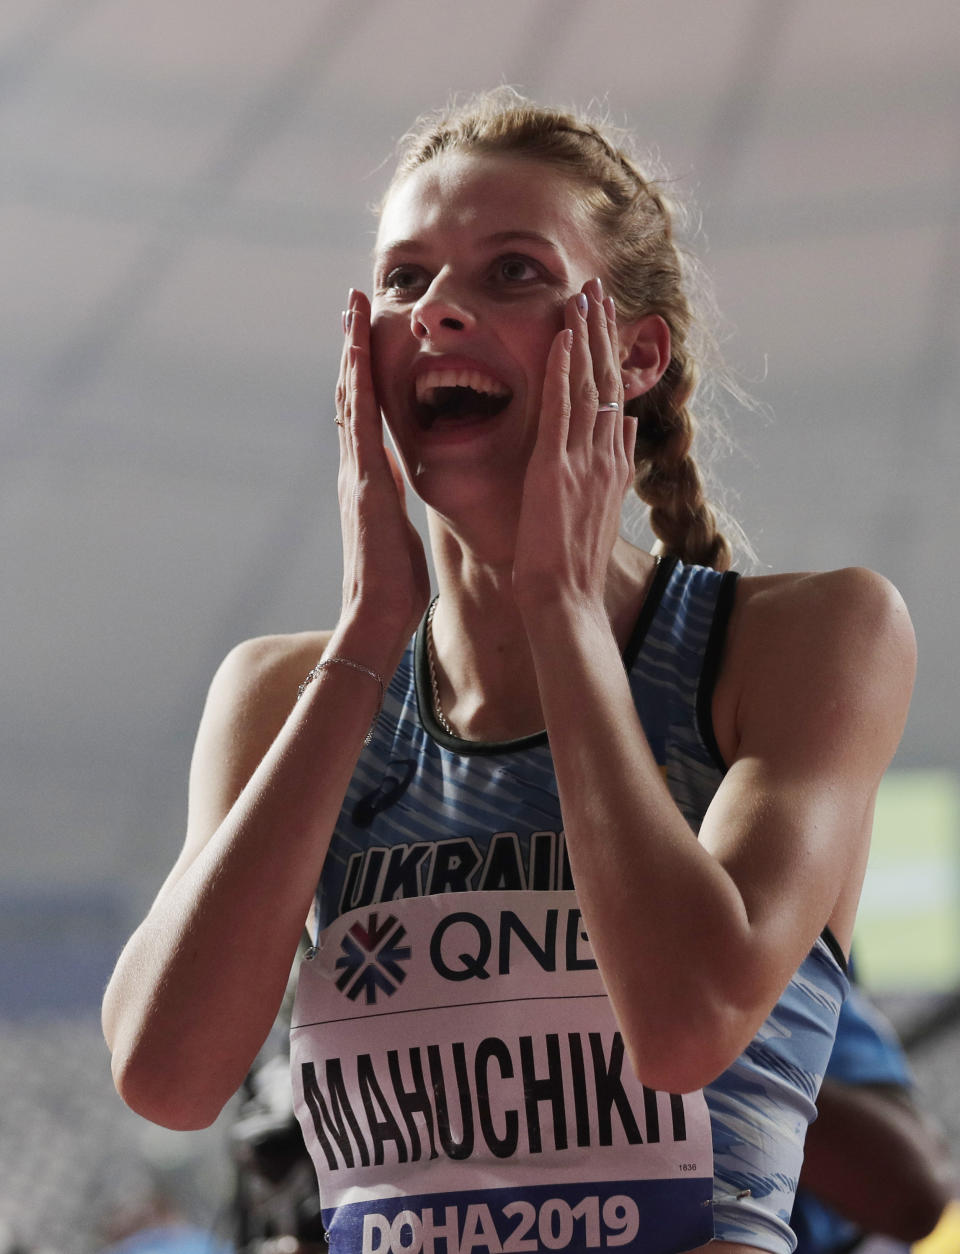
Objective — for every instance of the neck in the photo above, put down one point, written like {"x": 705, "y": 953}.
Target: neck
{"x": 485, "y": 675}
{"x": 484, "y": 669}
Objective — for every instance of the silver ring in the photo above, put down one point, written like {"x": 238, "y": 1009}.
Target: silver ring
{"x": 608, "y": 406}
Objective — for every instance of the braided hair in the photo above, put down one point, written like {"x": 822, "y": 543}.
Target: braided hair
{"x": 646, "y": 272}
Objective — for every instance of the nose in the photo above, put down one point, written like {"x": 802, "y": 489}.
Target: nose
{"x": 440, "y": 309}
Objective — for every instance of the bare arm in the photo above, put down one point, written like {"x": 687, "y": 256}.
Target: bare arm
{"x": 697, "y": 939}
{"x": 198, "y": 985}
{"x": 722, "y": 922}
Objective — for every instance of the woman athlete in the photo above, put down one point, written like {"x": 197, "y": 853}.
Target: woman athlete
{"x": 581, "y": 838}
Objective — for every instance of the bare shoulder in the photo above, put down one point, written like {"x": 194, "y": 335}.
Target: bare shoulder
{"x": 250, "y": 699}
{"x": 258, "y": 679}
{"x": 851, "y": 595}
{"x": 252, "y": 694}
{"x": 829, "y": 608}
{"x": 837, "y": 644}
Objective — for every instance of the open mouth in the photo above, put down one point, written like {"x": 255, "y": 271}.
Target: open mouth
{"x": 459, "y": 396}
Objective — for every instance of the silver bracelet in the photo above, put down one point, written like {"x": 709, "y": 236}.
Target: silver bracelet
{"x": 356, "y": 666}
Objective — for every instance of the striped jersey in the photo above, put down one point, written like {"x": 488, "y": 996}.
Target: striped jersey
{"x": 429, "y": 813}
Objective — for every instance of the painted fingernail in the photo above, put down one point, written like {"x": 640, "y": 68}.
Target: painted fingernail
{"x": 566, "y": 340}
{"x": 582, "y": 304}
{"x": 608, "y": 308}
{"x": 595, "y": 288}
{"x": 343, "y": 320}
{"x": 347, "y": 320}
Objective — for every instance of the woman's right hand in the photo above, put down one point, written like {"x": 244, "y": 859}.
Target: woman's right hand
{"x": 384, "y": 566}
{"x": 184, "y": 1014}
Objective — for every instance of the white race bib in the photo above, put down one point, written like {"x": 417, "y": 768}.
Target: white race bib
{"x": 463, "y": 1088}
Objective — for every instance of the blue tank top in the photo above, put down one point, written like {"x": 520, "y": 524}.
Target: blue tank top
{"x": 428, "y": 813}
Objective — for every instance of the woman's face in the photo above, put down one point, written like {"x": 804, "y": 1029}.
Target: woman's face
{"x": 475, "y": 260}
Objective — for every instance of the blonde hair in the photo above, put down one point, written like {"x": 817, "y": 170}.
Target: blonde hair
{"x": 646, "y": 272}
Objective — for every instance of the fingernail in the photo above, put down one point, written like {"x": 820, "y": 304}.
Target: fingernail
{"x": 582, "y": 304}
{"x": 343, "y": 320}
{"x": 350, "y": 295}
{"x": 609, "y": 309}
{"x": 566, "y": 340}
{"x": 596, "y": 289}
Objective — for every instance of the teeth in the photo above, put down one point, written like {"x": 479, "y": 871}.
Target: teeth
{"x": 430, "y": 380}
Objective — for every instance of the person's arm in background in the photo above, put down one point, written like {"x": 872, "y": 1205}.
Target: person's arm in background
{"x": 877, "y": 1160}
{"x": 872, "y": 1158}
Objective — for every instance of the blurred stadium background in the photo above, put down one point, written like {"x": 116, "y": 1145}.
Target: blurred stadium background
{"x": 183, "y": 206}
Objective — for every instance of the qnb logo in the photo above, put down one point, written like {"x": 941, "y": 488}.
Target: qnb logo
{"x": 372, "y": 957}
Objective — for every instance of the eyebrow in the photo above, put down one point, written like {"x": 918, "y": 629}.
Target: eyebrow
{"x": 498, "y": 237}
{"x": 503, "y": 237}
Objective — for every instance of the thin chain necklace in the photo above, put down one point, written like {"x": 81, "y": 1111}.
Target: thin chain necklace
{"x": 432, "y": 660}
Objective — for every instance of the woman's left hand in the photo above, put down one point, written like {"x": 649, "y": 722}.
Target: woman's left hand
{"x": 582, "y": 462}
